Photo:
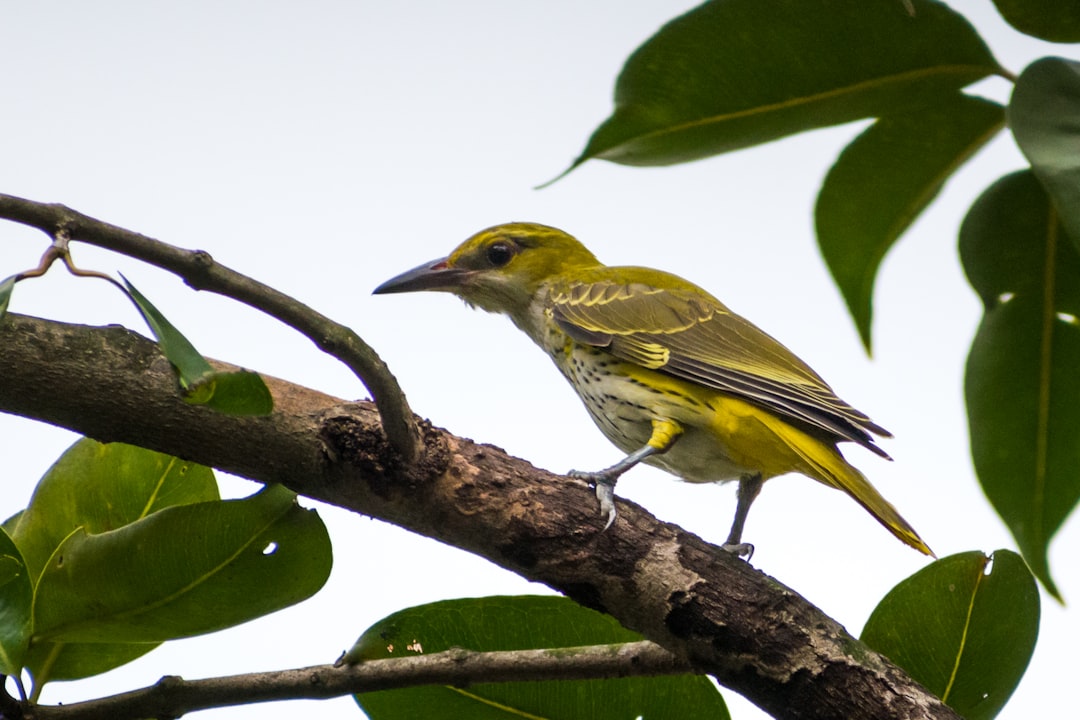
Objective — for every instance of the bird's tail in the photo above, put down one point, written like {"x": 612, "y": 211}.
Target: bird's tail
{"x": 828, "y": 466}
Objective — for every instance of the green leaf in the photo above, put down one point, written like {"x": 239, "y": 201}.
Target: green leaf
{"x": 241, "y": 392}
{"x": 735, "y": 73}
{"x": 189, "y": 364}
{"x": 517, "y": 623}
{"x": 884, "y": 179}
{"x": 1021, "y": 385}
{"x": 6, "y": 288}
{"x": 1043, "y": 116}
{"x": 963, "y": 628}
{"x": 50, "y": 661}
{"x": 16, "y": 598}
{"x": 198, "y": 568}
{"x": 1053, "y": 20}
{"x": 97, "y": 487}
{"x": 103, "y": 487}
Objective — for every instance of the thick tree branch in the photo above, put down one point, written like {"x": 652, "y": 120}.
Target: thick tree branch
{"x": 200, "y": 271}
{"x": 173, "y": 697}
{"x": 726, "y": 618}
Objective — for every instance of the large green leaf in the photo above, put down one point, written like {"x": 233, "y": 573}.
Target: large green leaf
{"x": 1022, "y": 386}
{"x": 182, "y": 571}
{"x": 963, "y": 628}
{"x": 1044, "y": 114}
{"x": 16, "y": 597}
{"x": 735, "y": 73}
{"x": 99, "y": 488}
{"x": 103, "y": 487}
{"x": 518, "y": 623}
{"x": 884, "y": 179}
{"x": 1053, "y": 20}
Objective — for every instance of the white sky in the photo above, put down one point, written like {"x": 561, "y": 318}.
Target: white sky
{"x": 323, "y": 147}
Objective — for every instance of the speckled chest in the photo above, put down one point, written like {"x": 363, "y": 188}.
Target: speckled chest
{"x": 621, "y": 405}
{"x": 623, "y": 399}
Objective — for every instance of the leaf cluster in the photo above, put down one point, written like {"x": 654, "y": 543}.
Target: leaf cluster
{"x": 123, "y": 548}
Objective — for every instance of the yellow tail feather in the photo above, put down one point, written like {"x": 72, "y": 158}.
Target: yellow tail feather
{"x": 828, "y": 466}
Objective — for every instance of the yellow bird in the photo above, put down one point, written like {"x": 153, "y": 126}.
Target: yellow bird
{"x": 669, "y": 374}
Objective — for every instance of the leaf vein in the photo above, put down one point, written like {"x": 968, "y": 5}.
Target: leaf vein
{"x": 808, "y": 99}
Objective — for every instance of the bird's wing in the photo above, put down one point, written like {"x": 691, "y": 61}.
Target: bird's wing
{"x": 684, "y": 332}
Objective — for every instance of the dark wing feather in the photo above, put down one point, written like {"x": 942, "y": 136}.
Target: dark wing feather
{"x": 684, "y": 332}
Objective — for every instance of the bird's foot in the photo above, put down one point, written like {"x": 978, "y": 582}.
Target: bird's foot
{"x": 605, "y": 492}
{"x": 742, "y": 550}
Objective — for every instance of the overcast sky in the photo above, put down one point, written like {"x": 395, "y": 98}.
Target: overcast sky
{"x": 323, "y": 147}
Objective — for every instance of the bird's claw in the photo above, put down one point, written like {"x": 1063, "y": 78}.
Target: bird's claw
{"x": 605, "y": 492}
{"x": 742, "y": 550}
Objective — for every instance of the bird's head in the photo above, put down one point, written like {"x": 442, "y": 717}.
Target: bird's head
{"x": 499, "y": 269}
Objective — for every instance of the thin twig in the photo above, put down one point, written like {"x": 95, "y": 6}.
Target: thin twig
{"x": 173, "y": 697}
{"x": 200, "y": 271}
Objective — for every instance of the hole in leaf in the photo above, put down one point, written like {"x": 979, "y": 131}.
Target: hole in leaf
{"x": 1006, "y": 297}
{"x": 1068, "y": 318}
{"x": 270, "y": 549}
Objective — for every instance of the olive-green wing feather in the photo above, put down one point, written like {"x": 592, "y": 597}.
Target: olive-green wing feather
{"x": 685, "y": 332}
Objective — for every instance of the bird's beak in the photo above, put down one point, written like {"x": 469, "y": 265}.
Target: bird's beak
{"x": 433, "y": 275}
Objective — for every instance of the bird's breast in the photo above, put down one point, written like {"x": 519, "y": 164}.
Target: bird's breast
{"x": 624, "y": 399}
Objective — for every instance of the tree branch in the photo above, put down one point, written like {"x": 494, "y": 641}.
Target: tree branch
{"x": 173, "y": 697}
{"x": 700, "y": 603}
{"x": 200, "y": 271}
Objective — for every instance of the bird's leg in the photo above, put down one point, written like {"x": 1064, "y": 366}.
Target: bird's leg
{"x": 605, "y": 480}
{"x": 749, "y": 487}
{"x": 664, "y": 435}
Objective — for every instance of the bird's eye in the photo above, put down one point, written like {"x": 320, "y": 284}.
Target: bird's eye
{"x": 500, "y": 253}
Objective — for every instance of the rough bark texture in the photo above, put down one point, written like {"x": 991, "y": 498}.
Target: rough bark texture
{"x": 731, "y": 621}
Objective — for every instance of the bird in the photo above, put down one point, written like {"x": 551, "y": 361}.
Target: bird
{"x": 668, "y": 373}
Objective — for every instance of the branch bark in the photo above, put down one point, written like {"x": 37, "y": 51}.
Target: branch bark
{"x": 724, "y": 617}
